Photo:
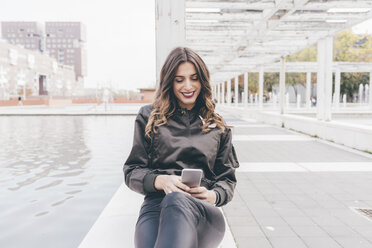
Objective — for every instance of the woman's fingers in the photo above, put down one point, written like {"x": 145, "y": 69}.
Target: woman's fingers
{"x": 197, "y": 190}
{"x": 202, "y": 196}
{"x": 182, "y": 186}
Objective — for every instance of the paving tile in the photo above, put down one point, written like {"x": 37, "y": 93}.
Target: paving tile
{"x": 293, "y": 151}
{"x": 340, "y": 230}
{"x": 253, "y": 242}
{"x": 241, "y": 220}
{"x": 309, "y": 231}
{"x": 270, "y": 221}
{"x": 290, "y": 212}
{"x": 299, "y": 221}
{"x": 282, "y": 204}
{"x": 320, "y": 242}
{"x": 287, "y": 242}
{"x": 247, "y": 231}
{"x": 278, "y": 231}
{"x": 316, "y": 212}
{"x": 327, "y": 220}
{"x": 352, "y": 242}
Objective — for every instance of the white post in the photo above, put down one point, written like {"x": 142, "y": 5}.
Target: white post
{"x": 236, "y": 90}
{"x": 255, "y": 98}
{"x": 287, "y": 100}
{"x": 251, "y": 98}
{"x": 336, "y": 99}
{"x": 219, "y": 92}
{"x": 298, "y": 101}
{"x": 324, "y": 81}
{"x": 344, "y": 100}
{"x": 282, "y": 97}
{"x": 223, "y": 92}
{"x": 229, "y": 92}
{"x": 169, "y": 29}
{"x": 360, "y": 94}
{"x": 370, "y": 90}
{"x": 260, "y": 86}
{"x": 308, "y": 90}
{"x": 245, "y": 88}
{"x": 366, "y": 93}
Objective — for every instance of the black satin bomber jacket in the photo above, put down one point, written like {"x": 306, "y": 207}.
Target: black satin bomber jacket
{"x": 181, "y": 144}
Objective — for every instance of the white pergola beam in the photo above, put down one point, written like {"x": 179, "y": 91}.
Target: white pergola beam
{"x": 170, "y": 29}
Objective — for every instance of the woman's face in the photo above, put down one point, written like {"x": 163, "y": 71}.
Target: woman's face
{"x": 186, "y": 85}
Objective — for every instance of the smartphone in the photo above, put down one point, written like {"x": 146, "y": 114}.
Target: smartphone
{"x": 191, "y": 177}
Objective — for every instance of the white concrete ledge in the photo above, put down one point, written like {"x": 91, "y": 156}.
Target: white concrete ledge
{"x": 115, "y": 226}
{"x": 348, "y": 134}
{"x": 306, "y": 167}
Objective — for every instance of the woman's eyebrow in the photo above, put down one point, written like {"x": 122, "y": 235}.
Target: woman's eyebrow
{"x": 195, "y": 74}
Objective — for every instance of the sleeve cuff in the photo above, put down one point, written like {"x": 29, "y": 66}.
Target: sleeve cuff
{"x": 148, "y": 183}
{"x": 222, "y": 194}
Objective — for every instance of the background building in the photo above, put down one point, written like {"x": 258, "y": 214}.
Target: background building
{"x": 64, "y": 41}
{"x": 30, "y": 74}
{"x": 29, "y": 35}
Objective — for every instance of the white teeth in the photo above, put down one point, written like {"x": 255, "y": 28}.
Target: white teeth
{"x": 188, "y": 94}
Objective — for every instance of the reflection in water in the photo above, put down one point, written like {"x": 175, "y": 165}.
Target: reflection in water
{"x": 35, "y": 159}
{"x": 56, "y": 175}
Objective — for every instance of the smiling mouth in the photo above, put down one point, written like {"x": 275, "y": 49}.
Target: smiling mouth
{"x": 188, "y": 94}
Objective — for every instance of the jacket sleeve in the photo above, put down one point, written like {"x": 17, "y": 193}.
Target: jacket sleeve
{"x": 224, "y": 168}
{"x": 137, "y": 174}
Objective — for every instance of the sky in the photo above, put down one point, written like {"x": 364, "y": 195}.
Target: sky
{"x": 120, "y": 35}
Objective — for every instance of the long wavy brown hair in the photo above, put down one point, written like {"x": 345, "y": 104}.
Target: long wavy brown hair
{"x": 165, "y": 102}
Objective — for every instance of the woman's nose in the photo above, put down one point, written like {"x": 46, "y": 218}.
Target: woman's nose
{"x": 188, "y": 84}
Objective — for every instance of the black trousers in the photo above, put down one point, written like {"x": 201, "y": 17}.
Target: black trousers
{"x": 177, "y": 220}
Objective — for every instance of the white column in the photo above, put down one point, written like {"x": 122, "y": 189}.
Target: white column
{"x": 169, "y": 29}
{"x": 360, "y": 96}
{"x": 324, "y": 82}
{"x": 336, "y": 99}
{"x": 308, "y": 89}
{"x": 223, "y": 92}
{"x": 282, "y": 85}
{"x": 229, "y": 92}
{"x": 245, "y": 88}
{"x": 344, "y": 100}
{"x": 260, "y": 86}
{"x": 370, "y": 90}
{"x": 236, "y": 90}
{"x": 219, "y": 92}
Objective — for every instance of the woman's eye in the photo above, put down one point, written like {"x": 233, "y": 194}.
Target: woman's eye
{"x": 195, "y": 78}
{"x": 179, "y": 81}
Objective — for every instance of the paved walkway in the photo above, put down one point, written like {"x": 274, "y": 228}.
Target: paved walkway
{"x": 295, "y": 191}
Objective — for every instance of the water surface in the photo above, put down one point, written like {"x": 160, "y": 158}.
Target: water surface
{"x": 57, "y": 173}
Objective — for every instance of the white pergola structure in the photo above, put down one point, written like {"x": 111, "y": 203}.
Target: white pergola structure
{"x": 235, "y": 37}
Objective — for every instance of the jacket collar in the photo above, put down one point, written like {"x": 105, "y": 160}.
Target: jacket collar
{"x": 182, "y": 111}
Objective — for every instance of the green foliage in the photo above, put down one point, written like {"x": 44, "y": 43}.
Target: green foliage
{"x": 305, "y": 55}
{"x": 348, "y": 47}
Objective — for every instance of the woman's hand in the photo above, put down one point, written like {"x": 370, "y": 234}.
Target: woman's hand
{"x": 170, "y": 183}
{"x": 203, "y": 194}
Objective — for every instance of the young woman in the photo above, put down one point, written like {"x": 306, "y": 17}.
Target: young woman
{"x": 181, "y": 130}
